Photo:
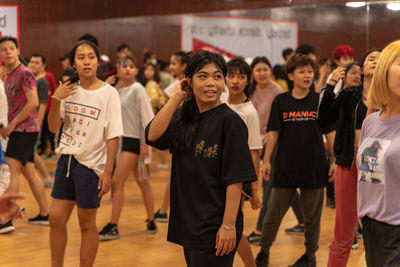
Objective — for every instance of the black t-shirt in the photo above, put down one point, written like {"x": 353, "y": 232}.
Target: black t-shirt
{"x": 300, "y": 160}
{"x": 199, "y": 179}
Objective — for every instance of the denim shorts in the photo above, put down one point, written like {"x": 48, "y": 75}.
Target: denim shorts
{"x": 80, "y": 185}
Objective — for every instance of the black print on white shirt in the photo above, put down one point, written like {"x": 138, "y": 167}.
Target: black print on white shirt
{"x": 79, "y": 119}
{"x": 371, "y": 161}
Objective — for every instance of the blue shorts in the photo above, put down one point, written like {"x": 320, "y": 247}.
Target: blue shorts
{"x": 80, "y": 186}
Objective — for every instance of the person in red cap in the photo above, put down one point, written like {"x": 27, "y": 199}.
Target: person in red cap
{"x": 343, "y": 56}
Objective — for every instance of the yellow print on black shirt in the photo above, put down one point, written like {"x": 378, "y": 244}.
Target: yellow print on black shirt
{"x": 207, "y": 153}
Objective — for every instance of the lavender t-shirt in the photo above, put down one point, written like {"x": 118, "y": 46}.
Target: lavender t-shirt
{"x": 378, "y": 163}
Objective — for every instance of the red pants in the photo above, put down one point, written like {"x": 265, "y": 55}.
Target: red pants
{"x": 346, "y": 215}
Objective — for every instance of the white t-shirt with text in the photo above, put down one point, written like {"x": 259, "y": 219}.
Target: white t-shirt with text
{"x": 91, "y": 117}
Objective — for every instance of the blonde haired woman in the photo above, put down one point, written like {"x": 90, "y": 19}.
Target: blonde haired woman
{"x": 378, "y": 164}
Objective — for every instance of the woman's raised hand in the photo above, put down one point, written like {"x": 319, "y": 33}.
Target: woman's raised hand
{"x": 64, "y": 90}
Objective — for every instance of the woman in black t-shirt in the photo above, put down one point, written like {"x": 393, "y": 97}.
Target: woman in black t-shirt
{"x": 205, "y": 138}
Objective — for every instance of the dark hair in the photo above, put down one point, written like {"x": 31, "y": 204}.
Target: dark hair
{"x": 367, "y": 54}
{"x": 123, "y": 46}
{"x": 156, "y": 74}
{"x": 255, "y": 61}
{"x": 350, "y": 65}
{"x": 238, "y": 64}
{"x": 41, "y": 57}
{"x": 279, "y": 72}
{"x": 9, "y": 38}
{"x": 185, "y": 120}
{"x": 363, "y": 62}
{"x": 84, "y": 42}
{"x": 184, "y": 56}
{"x": 147, "y": 55}
{"x": 296, "y": 61}
{"x": 90, "y": 38}
{"x": 305, "y": 49}
{"x": 286, "y": 52}
{"x": 356, "y": 89}
{"x": 75, "y": 76}
{"x": 67, "y": 72}
{"x": 127, "y": 58}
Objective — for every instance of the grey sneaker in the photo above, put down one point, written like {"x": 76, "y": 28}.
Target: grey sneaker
{"x": 295, "y": 230}
{"x": 254, "y": 238}
{"x": 109, "y": 232}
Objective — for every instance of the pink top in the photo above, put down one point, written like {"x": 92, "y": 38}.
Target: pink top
{"x": 262, "y": 101}
{"x": 17, "y": 83}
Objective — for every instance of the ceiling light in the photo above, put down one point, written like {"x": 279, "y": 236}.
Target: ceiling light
{"x": 355, "y": 4}
{"x": 393, "y": 6}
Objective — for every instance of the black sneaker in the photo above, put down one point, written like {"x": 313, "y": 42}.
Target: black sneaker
{"x": 39, "y": 220}
{"x": 109, "y": 232}
{"x": 151, "y": 227}
{"x": 262, "y": 259}
{"x": 161, "y": 216}
{"x": 295, "y": 230}
{"x": 6, "y": 228}
{"x": 305, "y": 261}
{"x": 355, "y": 243}
{"x": 254, "y": 238}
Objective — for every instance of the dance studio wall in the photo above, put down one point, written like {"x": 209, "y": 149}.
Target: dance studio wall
{"x": 52, "y": 27}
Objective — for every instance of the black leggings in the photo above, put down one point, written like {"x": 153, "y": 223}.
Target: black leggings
{"x": 207, "y": 259}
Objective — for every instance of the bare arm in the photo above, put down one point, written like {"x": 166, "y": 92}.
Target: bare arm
{"x": 32, "y": 103}
{"x": 105, "y": 177}
{"x": 226, "y": 236}
{"x": 161, "y": 121}
{"x": 255, "y": 201}
{"x": 269, "y": 148}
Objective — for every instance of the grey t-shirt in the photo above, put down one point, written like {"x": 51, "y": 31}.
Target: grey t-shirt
{"x": 378, "y": 159}
{"x": 42, "y": 89}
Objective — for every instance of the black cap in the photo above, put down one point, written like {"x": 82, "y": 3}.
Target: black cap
{"x": 67, "y": 55}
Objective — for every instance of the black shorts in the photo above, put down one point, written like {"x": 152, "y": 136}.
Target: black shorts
{"x": 80, "y": 186}
{"x": 21, "y": 146}
{"x": 131, "y": 145}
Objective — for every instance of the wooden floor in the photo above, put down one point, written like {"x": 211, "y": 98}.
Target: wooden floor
{"x": 28, "y": 245}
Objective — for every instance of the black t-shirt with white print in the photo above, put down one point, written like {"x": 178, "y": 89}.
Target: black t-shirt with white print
{"x": 300, "y": 160}
{"x": 220, "y": 157}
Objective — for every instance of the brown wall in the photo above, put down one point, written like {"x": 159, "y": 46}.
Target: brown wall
{"x": 51, "y": 27}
